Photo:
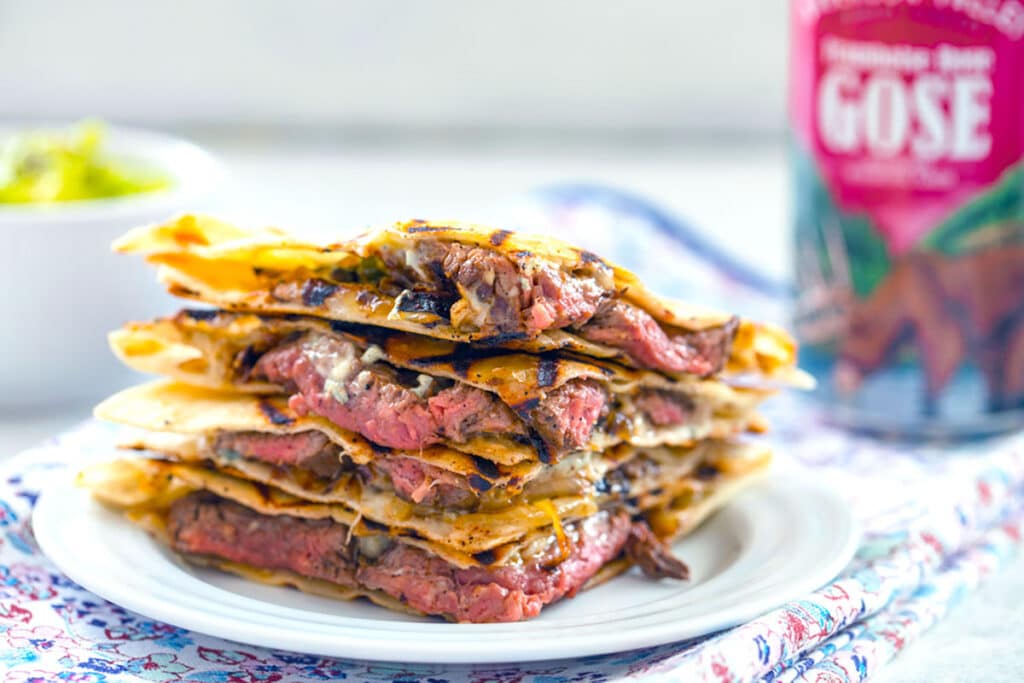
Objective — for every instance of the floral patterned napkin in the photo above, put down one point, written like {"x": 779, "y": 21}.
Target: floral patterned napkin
{"x": 943, "y": 522}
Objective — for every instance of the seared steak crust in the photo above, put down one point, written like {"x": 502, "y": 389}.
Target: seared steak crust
{"x": 633, "y": 330}
{"x": 203, "y": 524}
{"x": 653, "y": 555}
{"x": 502, "y": 298}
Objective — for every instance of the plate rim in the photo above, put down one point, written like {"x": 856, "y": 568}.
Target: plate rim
{"x": 383, "y": 644}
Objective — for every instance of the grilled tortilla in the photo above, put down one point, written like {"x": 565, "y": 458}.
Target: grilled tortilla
{"x": 145, "y": 487}
{"x": 646, "y": 476}
{"x": 142, "y": 485}
{"x": 169, "y": 406}
{"x": 464, "y": 283}
{"x": 469, "y": 532}
{"x": 309, "y": 457}
{"x": 681, "y": 516}
{"x": 557, "y": 403}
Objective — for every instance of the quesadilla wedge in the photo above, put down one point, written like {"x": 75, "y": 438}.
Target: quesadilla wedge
{"x": 265, "y": 534}
{"x": 461, "y": 282}
{"x": 408, "y": 391}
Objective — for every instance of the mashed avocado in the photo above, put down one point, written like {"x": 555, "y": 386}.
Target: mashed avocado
{"x": 44, "y": 167}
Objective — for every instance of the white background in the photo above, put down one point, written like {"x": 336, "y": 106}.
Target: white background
{"x": 647, "y": 66}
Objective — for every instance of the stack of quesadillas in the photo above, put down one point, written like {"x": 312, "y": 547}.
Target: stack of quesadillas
{"x": 443, "y": 418}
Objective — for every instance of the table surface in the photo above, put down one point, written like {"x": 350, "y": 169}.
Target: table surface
{"x": 322, "y": 191}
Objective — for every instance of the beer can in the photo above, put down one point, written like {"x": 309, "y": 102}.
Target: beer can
{"x": 907, "y": 139}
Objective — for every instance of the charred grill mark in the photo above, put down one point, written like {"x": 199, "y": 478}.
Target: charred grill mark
{"x": 498, "y": 238}
{"x": 479, "y": 483}
{"x": 201, "y": 314}
{"x": 503, "y": 338}
{"x": 378, "y": 449}
{"x": 342, "y": 327}
{"x": 547, "y": 371}
{"x": 437, "y": 303}
{"x": 374, "y": 526}
{"x": 316, "y": 291}
{"x": 462, "y": 366}
{"x": 486, "y": 467}
{"x": 543, "y": 453}
{"x": 524, "y": 408}
{"x": 707, "y": 472}
{"x": 262, "y": 489}
{"x": 590, "y": 257}
{"x": 461, "y": 360}
{"x": 245, "y": 361}
{"x": 486, "y": 557}
{"x": 437, "y": 268}
{"x": 273, "y": 414}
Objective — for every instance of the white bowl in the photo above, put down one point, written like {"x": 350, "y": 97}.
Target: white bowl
{"x": 62, "y": 288}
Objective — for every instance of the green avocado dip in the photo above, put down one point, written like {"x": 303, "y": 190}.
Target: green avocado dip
{"x": 41, "y": 167}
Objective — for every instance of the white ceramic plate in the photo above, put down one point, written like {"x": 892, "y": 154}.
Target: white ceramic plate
{"x": 772, "y": 544}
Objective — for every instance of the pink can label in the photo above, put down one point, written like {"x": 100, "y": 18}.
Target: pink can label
{"x": 910, "y": 108}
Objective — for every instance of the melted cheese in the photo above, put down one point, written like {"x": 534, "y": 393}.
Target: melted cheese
{"x": 372, "y": 354}
{"x": 424, "y": 383}
{"x": 413, "y": 260}
{"x": 564, "y": 545}
{"x": 336, "y": 369}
